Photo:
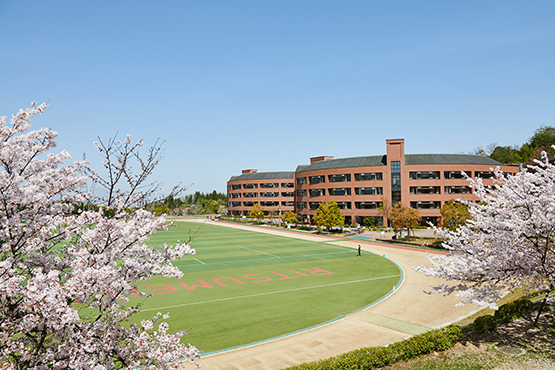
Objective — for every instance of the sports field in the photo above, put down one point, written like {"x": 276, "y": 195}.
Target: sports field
{"x": 243, "y": 287}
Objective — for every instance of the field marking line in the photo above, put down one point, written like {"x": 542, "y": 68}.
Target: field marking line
{"x": 177, "y": 264}
{"x": 254, "y": 250}
{"x": 196, "y": 259}
{"x": 268, "y": 293}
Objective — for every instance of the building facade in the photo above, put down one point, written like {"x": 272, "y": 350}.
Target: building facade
{"x": 274, "y": 191}
{"x": 422, "y": 181}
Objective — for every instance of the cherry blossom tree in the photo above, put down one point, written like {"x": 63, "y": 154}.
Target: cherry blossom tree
{"x": 508, "y": 242}
{"x": 125, "y": 179}
{"x": 65, "y": 276}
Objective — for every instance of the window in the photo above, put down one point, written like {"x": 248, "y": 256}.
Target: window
{"x": 250, "y": 195}
{"x": 395, "y": 182}
{"x": 269, "y": 194}
{"x": 269, "y": 204}
{"x": 366, "y": 205}
{"x": 314, "y": 205}
{"x": 395, "y": 166}
{"x": 269, "y": 185}
{"x": 301, "y": 192}
{"x": 301, "y": 205}
{"x": 368, "y": 176}
{"x": 248, "y": 204}
{"x": 340, "y": 191}
{"x": 236, "y": 213}
{"x": 287, "y": 185}
{"x": 236, "y": 195}
{"x": 484, "y": 174}
{"x": 317, "y": 192}
{"x": 369, "y": 191}
{"x": 344, "y": 205}
{"x": 457, "y": 190}
{"x": 425, "y": 205}
{"x": 317, "y": 179}
{"x": 236, "y": 186}
{"x": 289, "y": 203}
{"x": 229, "y": 187}
{"x": 424, "y": 189}
{"x": 301, "y": 180}
{"x": 287, "y": 194}
{"x": 424, "y": 175}
{"x": 339, "y": 178}
{"x": 455, "y": 174}
{"x": 250, "y": 186}
{"x": 236, "y": 204}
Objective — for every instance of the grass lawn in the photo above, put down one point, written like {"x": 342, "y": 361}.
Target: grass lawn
{"x": 243, "y": 286}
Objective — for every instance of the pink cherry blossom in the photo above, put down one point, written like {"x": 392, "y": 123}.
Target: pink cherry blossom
{"x": 66, "y": 270}
{"x": 507, "y": 243}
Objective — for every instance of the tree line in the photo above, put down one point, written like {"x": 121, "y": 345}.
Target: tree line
{"x": 541, "y": 141}
{"x": 191, "y": 204}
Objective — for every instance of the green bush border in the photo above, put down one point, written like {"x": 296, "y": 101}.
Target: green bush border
{"x": 423, "y": 344}
{"x": 375, "y": 357}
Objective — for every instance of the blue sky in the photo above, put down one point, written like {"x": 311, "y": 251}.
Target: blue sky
{"x": 232, "y": 85}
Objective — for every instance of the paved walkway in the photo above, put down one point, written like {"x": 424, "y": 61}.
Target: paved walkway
{"x": 408, "y": 311}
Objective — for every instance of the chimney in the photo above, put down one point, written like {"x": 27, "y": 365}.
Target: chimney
{"x": 319, "y": 159}
{"x": 249, "y": 171}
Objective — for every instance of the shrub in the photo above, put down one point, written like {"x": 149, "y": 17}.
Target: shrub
{"x": 513, "y": 310}
{"x": 485, "y": 323}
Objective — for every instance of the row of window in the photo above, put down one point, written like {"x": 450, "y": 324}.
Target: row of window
{"x": 370, "y": 205}
{"x": 263, "y": 204}
{"x": 340, "y": 178}
{"x": 266, "y": 213}
{"x": 275, "y": 194}
{"x": 378, "y": 176}
{"x": 339, "y": 191}
{"x": 435, "y": 175}
{"x": 415, "y": 190}
{"x": 269, "y": 185}
{"x": 437, "y": 190}
{"x": 341, "y": 205}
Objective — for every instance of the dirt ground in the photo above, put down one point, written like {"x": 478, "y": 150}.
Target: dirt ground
{"x": 406, "y": 311}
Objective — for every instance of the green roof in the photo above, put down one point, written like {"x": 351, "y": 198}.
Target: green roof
{"x": 450, "y": 159}
{"x": 410, "y": 159}
{"x": 289, "y": 175}
{"x": 376, "y": 160}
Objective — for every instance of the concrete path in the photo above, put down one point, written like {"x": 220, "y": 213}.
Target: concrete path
{"x": 408, "y": 311}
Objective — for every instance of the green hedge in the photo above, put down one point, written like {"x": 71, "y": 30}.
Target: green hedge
{"x": 505, "y": 314}
{"x": 434, "y": 340}
{"x": 375, "y": 357}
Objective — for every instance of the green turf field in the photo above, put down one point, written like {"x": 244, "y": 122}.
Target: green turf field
{"x": 243, "y": 287}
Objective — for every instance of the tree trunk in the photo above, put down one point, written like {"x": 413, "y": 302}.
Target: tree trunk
{"x": 541, "y": 309}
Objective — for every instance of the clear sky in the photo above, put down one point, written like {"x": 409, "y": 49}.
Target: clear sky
{"x": 235, "y": 84}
